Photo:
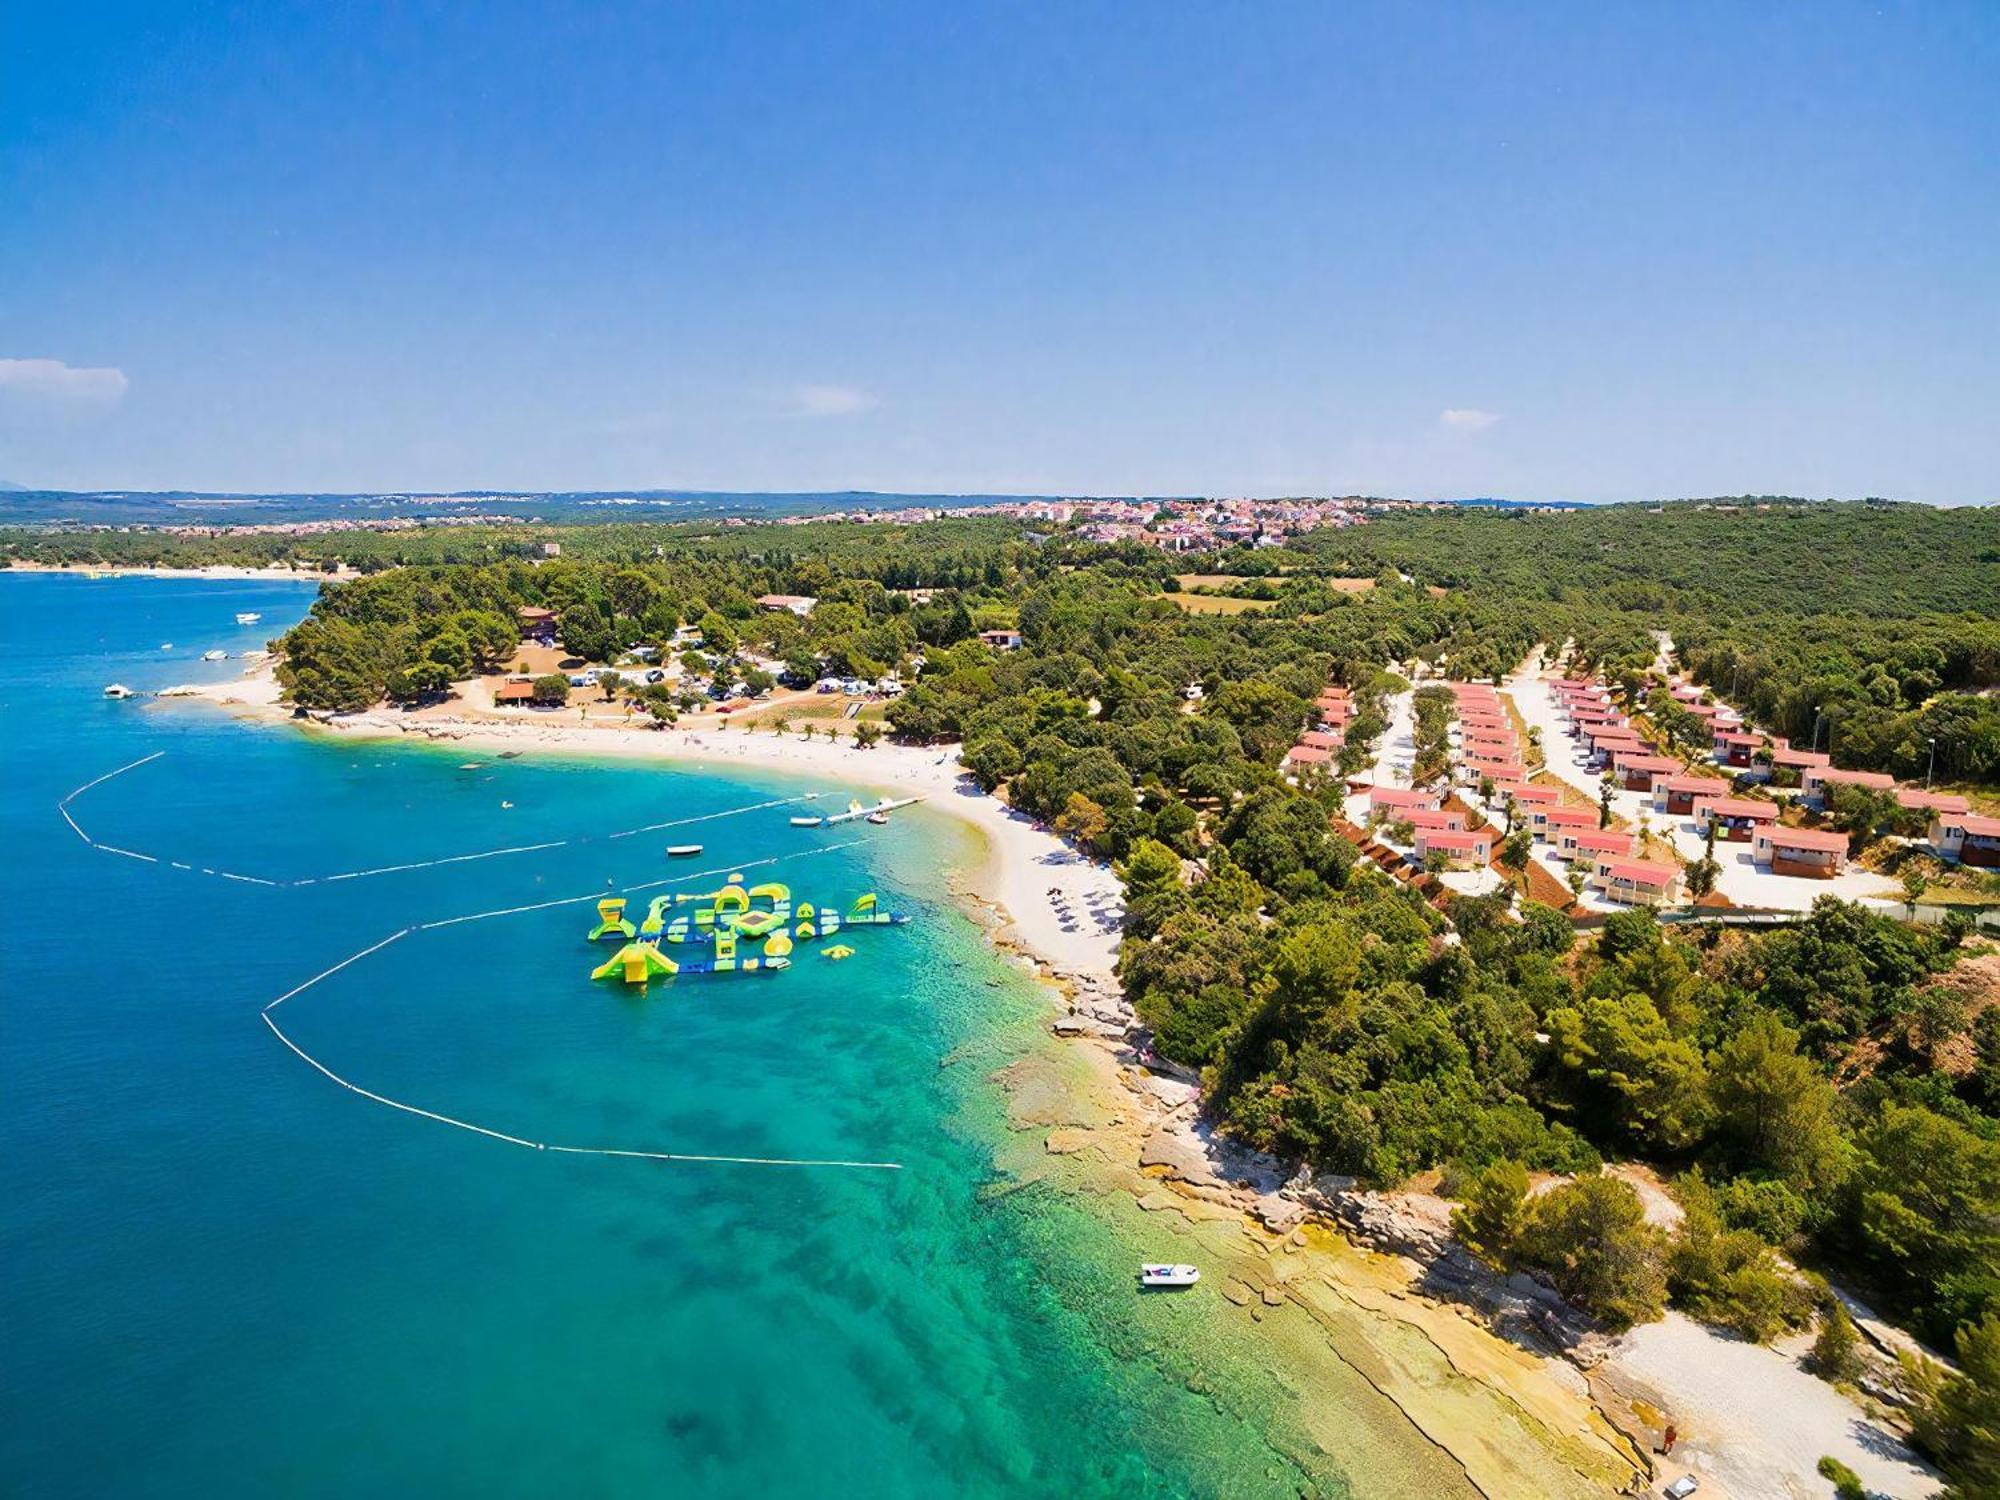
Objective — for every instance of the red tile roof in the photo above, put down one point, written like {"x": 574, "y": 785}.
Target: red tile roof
{"x": 1940, "y": 802}
{"x": 1699, "y": 785}
{"x": 1978, "y": 827}
{"x": 1567, "y": 817}
{"x": 1826, "y": 840}
{"x": 1739, "y": 807}
{"x": 1640, "y": 872}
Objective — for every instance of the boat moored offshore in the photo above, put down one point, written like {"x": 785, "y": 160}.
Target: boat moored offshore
{"x": 1168, "y": 1276}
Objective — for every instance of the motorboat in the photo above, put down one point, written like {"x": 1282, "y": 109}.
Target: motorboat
{"x": 682, "y": 851}
{"x": 117, "y": 690}
{"x": 248, "y": 617}
{"x": 879, "y": 819}
{"x": 217, "y": 655}
{"x": 811, "y": 821}
{"x": 1168, "y": 1276}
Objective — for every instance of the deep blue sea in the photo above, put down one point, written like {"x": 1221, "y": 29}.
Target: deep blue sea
{"x": 223, "y": 1275}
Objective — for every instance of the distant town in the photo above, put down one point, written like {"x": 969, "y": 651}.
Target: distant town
{"x": 1194, "y": 525}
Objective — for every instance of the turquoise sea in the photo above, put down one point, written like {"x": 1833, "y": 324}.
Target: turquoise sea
{"x": 223, "y": 1275}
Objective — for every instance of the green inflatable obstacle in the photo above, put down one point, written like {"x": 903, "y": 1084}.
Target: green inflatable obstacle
{"x": 635, "y": 963}
{"x": 611, "y": 919}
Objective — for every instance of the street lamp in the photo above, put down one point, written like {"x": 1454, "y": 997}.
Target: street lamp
{"x": 1817, "y": 714}
{"x": 1933, "y": 765}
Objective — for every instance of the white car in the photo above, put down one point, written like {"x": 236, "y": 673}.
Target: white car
{"x": 1682, "y": 1487}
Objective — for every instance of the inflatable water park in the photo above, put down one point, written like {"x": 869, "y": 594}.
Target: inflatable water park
{"x": 734, "y": 929}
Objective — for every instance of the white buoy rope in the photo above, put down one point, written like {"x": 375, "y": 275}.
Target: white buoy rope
{"x": 490, "y": 1133}
{"x": 268, "y": 1013}
{"x": 419, "y": 864}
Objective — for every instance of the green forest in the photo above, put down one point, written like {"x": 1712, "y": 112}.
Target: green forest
{"x": 1821, "y": 1096}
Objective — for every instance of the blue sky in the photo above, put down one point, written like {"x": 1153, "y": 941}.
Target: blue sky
{"x": 1593, "y": 251}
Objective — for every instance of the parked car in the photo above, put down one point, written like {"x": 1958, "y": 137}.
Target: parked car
{"x": 1682, "y": 1487}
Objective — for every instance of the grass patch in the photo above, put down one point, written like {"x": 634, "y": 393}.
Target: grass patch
{"x": 1212, "y": 604}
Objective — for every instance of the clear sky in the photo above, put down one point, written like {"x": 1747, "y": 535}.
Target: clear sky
{"x": 1593, "y": 250}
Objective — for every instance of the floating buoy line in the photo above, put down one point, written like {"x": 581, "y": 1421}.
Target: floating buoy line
{"x": 416, "y": 864}
{"x": 268, "y": 1013}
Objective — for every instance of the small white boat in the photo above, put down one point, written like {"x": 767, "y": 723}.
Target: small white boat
{"x": 215, "y": 656}
{"x": 811, "y": 822}
{"x": 1152, "y": 1275}
{"x": 248, "y": 617}
{"x": 878, "y": 818}
{"x": 117, "y": 690}
{"x": 682, "y": 851}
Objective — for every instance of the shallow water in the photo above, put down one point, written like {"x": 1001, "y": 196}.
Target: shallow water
{"x": 224, "y": 1275}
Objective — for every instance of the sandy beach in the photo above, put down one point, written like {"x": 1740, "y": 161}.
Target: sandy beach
{"x": 1060, "y": 908}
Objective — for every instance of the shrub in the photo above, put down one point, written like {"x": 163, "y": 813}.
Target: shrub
{"x": 1846, "y": 1483}
{"x": 1592, "y": 1238}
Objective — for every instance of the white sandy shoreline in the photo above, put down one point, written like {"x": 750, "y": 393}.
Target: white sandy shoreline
{"x": 1074, "y": 933}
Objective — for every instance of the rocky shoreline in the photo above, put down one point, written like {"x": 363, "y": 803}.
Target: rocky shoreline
{"x": 1482, "y": 1366}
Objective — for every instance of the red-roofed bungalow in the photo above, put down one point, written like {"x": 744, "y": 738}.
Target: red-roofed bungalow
{"x": 1590, "y": 843}
{"x": 1678, "y": 794}
{"x": 1552, "y": 822}
{"x": 1818, "y": 853}
{"x": 1967, "y": 838}
{"x": 1636, "y": 882}
{"x": 1638, "y": 772}
{"x": 1736, "y": 818}
{"x": 1474, "y": 848}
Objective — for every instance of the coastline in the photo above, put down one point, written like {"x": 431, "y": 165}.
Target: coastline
{"x": 1454, "y": 1407}
{"x": 214, "y": 571}
{"x": 1325, "y": 1285}
{"x": 1022, "y": 862}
